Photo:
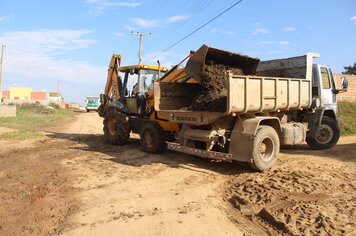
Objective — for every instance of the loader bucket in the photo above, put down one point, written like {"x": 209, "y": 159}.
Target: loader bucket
{"x": 208, "y": 56}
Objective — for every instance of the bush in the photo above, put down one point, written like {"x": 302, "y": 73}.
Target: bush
{"x": 54, "y": 105}
{"x": 347, "y": 114}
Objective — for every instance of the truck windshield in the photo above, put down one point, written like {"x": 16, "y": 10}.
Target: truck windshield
{"x": 325, "y": 78}
{"x": 93, "y": 101}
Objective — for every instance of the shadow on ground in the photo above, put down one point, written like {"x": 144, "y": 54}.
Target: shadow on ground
{"x": 343, "y": 152}
{"x": 132, "y": 154}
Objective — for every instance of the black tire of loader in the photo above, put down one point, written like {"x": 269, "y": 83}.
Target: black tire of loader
{"x": 316, "y": 145}
{"x": 266, "y": 138}
{"x": 121, "y": 132}
{"x": 152, "y": 138}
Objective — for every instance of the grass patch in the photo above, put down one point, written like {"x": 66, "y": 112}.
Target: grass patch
{"x": 347, "y": 113}
{"x": 21, "y": 135}
{"x": 30, "y": 120}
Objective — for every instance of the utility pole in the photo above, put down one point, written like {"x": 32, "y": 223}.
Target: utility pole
{"x": 140, "y": 48}
{"x": 1, "y": 66}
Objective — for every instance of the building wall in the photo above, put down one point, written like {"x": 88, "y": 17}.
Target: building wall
{"x": 39, "y": 95}
{"x": 20, "y": 93}
{"x": 350, "y": 95}
{"x": 5, "y": 94}
{"x": 7, "y": 110}
{"x": 42, "y": 102}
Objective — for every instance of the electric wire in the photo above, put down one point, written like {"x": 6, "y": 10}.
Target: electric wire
{"x": 173, "y": 26}
{"x": 199, "y": 28}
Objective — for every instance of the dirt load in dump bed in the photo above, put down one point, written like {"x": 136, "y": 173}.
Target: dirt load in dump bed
{"x": 209, "y": 66}
{"x": 214, "y": 88}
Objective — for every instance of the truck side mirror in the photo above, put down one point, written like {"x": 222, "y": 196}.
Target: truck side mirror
{"x": 344, "y": 83}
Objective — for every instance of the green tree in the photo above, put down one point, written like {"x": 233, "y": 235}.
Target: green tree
{"x": 350, "y": 70}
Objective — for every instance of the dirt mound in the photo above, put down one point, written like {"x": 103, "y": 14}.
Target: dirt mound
{"x": 296, "y": 202}
{"x": 214, "y": 88}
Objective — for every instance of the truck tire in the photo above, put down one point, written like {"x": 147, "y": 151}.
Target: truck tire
{"x": 152, "y": 138}
{"x": 265, "y": 148}
{"x": 328, "y": 135}
{"x": 117, "y": 128}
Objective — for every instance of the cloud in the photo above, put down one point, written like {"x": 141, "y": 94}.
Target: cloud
{"x": 353, "y": 19}
{"x": 100, "y": 6}
{"x": 165, "y": 58}
{"x": 145, "y": 23}
{"x": 178, "y": 18}
{"x": 34, "y": 56}
{"x": 260, "y": 31}
{"x": 119, "y": 34}
{"x": 220, "y": 31}
{"x": 128, "y": 27}
{"x": 271, "y": 52}
{"x": 5, "y": 18}
{"x": 273, "y": 42}
{"x": 289, "y": 28}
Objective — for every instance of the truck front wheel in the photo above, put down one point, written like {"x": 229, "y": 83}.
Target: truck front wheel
{"x": 265, "y": 148}
{"x": 327, "y": 136}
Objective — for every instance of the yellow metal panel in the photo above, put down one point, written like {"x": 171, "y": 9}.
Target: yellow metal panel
{"x": 143, "y": 66}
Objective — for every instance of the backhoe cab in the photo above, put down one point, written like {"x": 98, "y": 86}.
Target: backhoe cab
{"x": 127, "y": 105}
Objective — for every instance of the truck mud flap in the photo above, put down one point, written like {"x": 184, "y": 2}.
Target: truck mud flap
{"x": 314, "y": 121}
{"x": 201, "y": 153}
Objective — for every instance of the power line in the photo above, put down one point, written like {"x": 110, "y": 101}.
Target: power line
{"x": 200, "y": 27}
{"x": 190, "y": 8}
{"x": 191, "y": 13}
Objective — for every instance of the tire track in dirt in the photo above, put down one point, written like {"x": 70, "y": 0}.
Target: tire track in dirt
{"x": 306, "y": 195}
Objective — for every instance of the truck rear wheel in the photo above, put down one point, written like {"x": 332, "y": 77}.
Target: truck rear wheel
{"x": 116, "y": 128}
{"x": 152, "y": 138}
{"x": 328, "y": 135}
{"x": 265, "y": 148}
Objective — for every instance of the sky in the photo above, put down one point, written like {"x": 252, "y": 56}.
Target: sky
{"x": 70, "y": 42}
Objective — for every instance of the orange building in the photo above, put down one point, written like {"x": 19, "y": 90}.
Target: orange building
{"x": 5, "y": 94}
{"x": 39, "y": 95}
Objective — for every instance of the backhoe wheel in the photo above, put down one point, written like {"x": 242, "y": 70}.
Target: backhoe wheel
{"x": 152, "y": 138}
{"x": 265, "y": 148}
{"x": 328, "y": 135}
{"x": 116, "y": 127}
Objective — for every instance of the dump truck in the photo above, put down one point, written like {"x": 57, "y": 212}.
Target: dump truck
{"x": 270, "y": 104}
{"x": 254, "y": 106}
{"x": 92, "y": 103}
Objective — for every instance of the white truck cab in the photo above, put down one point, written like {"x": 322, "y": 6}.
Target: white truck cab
{"x": 324, "y": 93}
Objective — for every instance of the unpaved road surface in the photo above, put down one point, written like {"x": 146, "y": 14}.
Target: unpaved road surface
{"x": 72, "y": 183}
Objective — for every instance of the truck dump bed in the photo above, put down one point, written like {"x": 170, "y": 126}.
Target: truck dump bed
{"x": 283, "y": 85}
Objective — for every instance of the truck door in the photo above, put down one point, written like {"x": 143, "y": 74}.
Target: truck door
{"x": 328, "y": 97}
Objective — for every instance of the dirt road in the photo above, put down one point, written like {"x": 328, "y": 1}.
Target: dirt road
{"x": 72, "y": 183}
